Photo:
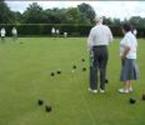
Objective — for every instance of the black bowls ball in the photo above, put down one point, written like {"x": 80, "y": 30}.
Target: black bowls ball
{"x": 52, "y": 74}
{"x": 40, "y": 102}
{"x": 59, "y": 71}
{"x": 106, "y": 81}
{"x": 48, "y": 108}
{"x": 143, "y": 97}
{"x": 84, "y": 69}
{"x": 74, "y": 66}
{"x": 132, "y": 100}
{"x": 83, "y": 60}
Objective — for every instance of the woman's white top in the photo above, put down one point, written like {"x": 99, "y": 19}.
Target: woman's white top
{"x": 130, "y": 41}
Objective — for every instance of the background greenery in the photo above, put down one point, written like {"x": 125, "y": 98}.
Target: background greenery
{"x": 77, "y": 21}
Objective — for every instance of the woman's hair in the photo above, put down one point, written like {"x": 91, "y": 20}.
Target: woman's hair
{"x": 127, "y": 27}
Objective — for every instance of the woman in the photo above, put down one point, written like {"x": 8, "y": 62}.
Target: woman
{"x": 128, "y": 54}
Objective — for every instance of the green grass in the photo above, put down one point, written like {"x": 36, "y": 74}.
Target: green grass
{"x": 25, "y": 77}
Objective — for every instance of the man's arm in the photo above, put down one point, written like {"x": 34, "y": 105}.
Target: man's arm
{"x": 90, "y": 40}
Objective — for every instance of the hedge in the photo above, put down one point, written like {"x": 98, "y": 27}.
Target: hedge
{"x": 73, "y": 30}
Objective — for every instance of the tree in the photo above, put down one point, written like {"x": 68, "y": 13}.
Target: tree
{"x": 107, "y": 21}
{"x": 72, "y": 16}
{"x": 116, "y": 22}
{"x": 33, "y": 14}
{"x": 137, "y": 21}
{"x": 55, "y": 15}
{"x": 87, "y": 12}
{"x": 18, "y": 17}
{"x": 6, "y": 15}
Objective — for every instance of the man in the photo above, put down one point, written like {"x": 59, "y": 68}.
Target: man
{"x": 53, "y": 31}
{"x": 3, "y": 33}
{"x": 14, "y": 33}
{"x": 98, "y": 40}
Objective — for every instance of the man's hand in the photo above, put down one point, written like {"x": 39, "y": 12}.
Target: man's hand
{"x": 123, "y": 57}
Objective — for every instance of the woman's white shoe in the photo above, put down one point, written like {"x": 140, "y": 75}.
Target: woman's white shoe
{"x": 102, "y": 91}
{"x": 124, "y": 91}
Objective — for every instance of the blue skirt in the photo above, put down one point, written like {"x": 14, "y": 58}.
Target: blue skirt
{"x": 129, "y": 70}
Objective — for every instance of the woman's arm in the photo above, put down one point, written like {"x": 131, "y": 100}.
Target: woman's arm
{"x": 126, "y": 51}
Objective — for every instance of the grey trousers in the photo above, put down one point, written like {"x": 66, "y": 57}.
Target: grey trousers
{"x": 98, "y": 65}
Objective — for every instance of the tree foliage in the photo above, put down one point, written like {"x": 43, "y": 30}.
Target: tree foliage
{"x": 82, "y": 14}
{"x": 6, "y": 15}
{"x": 87, "y": 13}
{"x": 33, "y": 14}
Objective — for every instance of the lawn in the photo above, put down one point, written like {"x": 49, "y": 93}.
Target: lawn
{"x": 25, "y": 67}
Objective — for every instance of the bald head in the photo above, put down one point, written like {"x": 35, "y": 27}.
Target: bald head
{"x": 98, "y": 19}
